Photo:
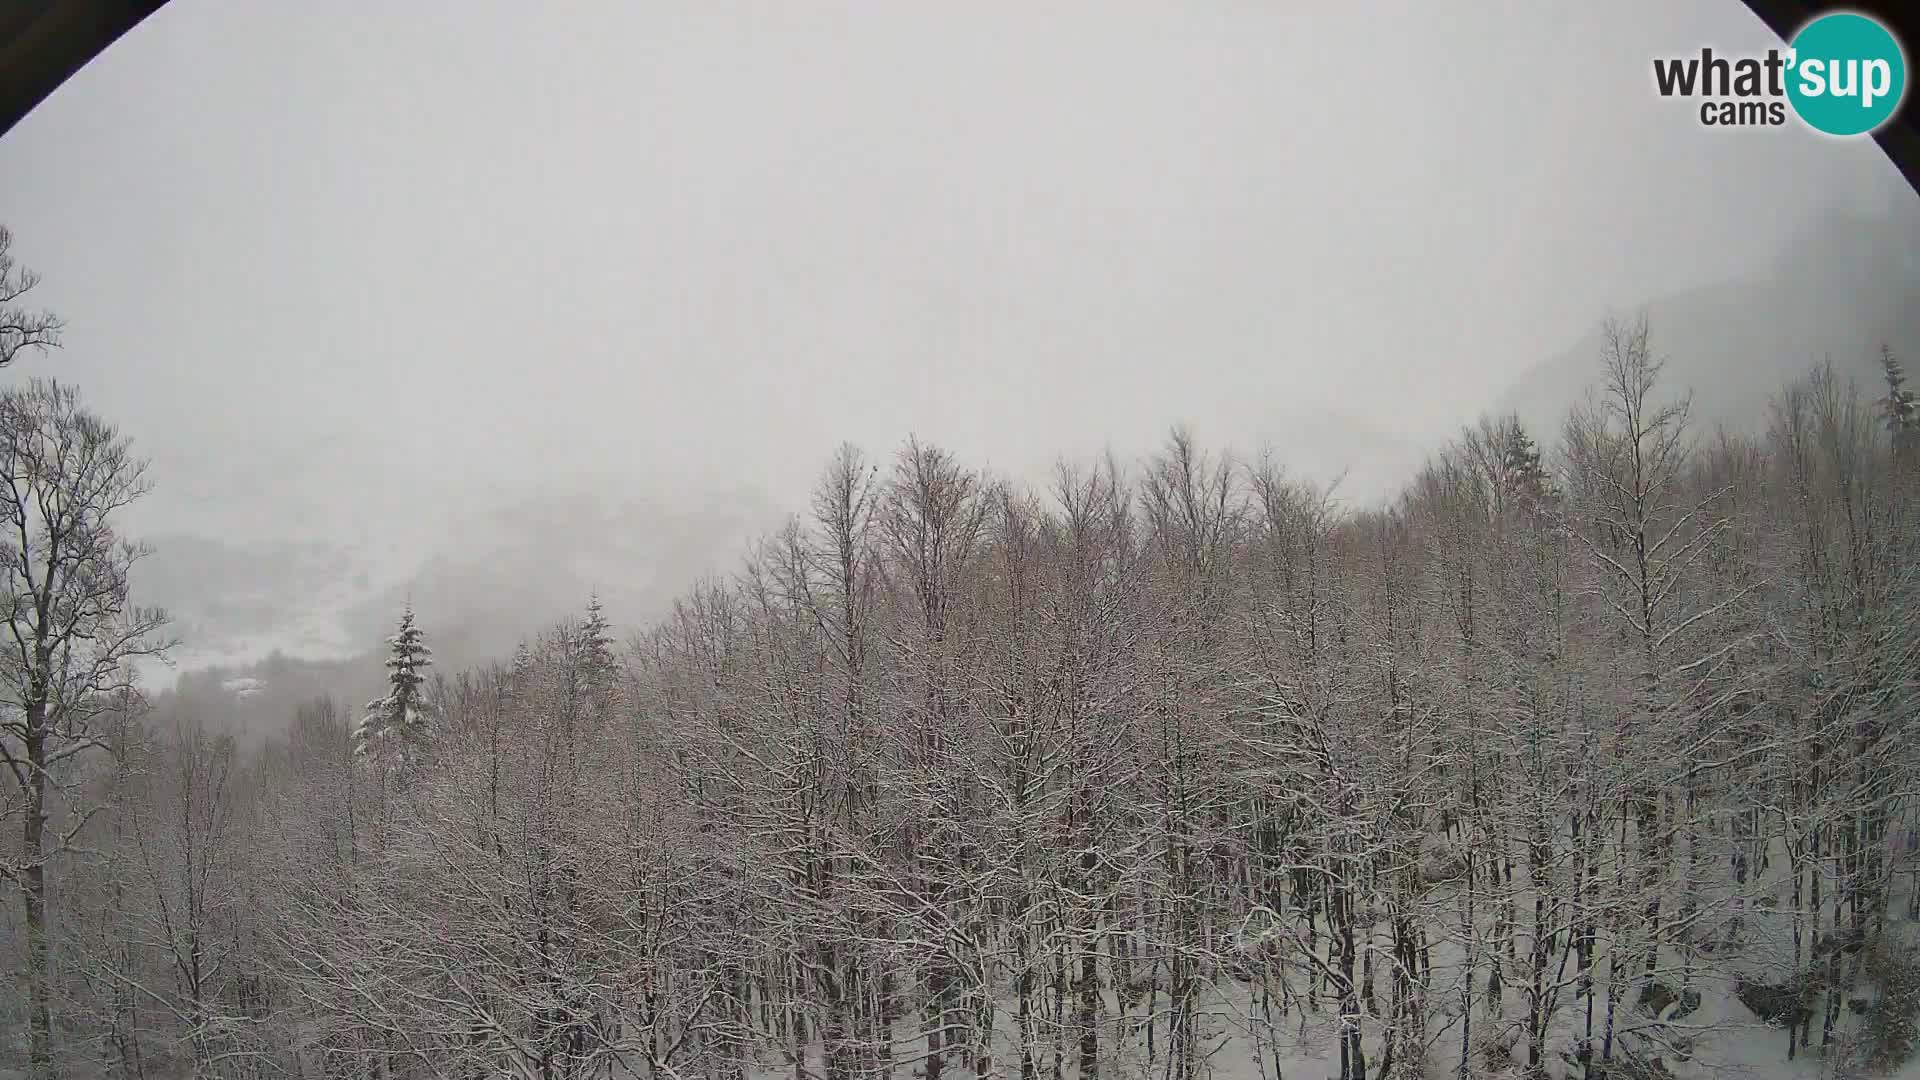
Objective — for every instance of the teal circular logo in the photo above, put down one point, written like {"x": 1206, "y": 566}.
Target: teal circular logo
{"x": 1847, "y": 74}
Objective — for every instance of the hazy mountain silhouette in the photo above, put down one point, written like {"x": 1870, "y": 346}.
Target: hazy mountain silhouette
{"x": 1843, "y": 285}
{"x": 264, "y": 629}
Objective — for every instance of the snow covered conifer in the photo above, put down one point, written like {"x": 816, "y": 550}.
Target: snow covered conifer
{"x": 591, "y": 644}
{"x": 400, "y": 722}
{"x": 594, "y": 635}
{"x": 1902, "y": 408}
{"x": 1522, "y": 461}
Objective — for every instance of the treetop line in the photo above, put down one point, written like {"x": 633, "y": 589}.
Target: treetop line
{"x": 1586, "y": 757}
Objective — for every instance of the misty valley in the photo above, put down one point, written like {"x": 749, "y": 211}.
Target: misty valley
{"x": 1591, "y": 754}
{"x": 969, "y": 541}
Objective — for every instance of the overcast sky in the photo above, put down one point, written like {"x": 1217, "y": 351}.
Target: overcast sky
{"x": 341, "y": 269}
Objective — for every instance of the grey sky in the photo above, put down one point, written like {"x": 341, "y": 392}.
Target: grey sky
{"x": 327, "y": 262}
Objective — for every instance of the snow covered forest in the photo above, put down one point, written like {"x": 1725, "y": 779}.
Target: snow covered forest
{"x": 1592, "y": 755}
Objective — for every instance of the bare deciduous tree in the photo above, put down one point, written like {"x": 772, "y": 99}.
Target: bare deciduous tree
{"x": 72, "y": 632}
{"x": 21, "y": 327}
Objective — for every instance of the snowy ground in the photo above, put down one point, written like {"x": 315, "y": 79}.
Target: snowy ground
{"x": 1722, "y": 1038}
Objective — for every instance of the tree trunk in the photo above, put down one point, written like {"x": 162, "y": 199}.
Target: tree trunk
{"x": 34, "y": 893}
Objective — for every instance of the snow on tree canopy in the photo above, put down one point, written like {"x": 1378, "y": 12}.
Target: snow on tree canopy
{"x": 1900, "y": 405}
{"x": 595, "y": 639}
{"x": 399, "y": 723}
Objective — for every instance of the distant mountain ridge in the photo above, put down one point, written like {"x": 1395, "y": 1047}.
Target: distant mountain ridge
{"x": 1845, "y": 286}
{"x": 275, "y": 626}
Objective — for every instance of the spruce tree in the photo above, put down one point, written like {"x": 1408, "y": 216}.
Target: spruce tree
{"x": 1521, "y": 461}
{"x": 593, "y": 648}
{"x": 595, "y": 638}
{"x": 400, "y": 722}
{"x": 1902, "y": 409}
